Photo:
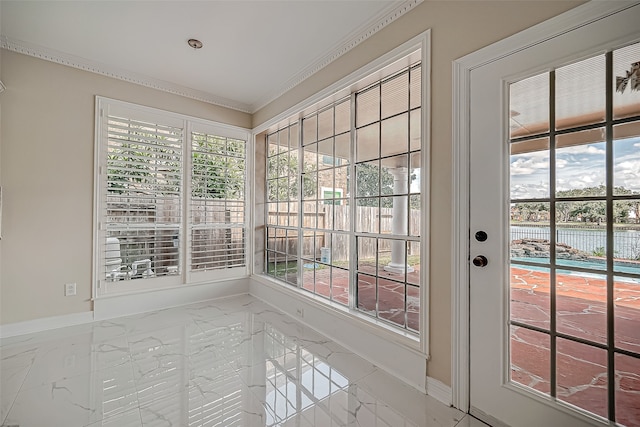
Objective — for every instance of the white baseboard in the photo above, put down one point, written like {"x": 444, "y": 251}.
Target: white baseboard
{"x": 109, "y": 307}
{"x": 388, "y": 350}
{"x": 439, "y": 391}
{"x": 45, "y": 324}
{"x": 124, "y": 305}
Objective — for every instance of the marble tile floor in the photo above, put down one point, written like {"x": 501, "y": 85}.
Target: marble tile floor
{"x": 228, "y": 362}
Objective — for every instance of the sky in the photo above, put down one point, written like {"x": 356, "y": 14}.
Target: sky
{"x": 579, "y": 166}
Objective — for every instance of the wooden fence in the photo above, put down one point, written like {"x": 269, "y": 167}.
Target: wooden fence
{"x": 324, "y": 226}
{"x": 322, "y": 229}
{"x": 150, "y": 229}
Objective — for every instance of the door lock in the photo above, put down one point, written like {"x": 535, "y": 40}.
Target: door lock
{"x": 480, "y": 261}
{"x": 481, "y": 236}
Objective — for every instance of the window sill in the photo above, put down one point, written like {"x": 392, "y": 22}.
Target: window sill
{"x": 403, "y": 338}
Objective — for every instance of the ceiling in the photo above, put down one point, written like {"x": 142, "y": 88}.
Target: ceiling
{"x": 253, "y": 51}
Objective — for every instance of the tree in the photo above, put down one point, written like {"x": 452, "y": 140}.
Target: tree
{"x": 371, "y": 181}
{"x": 217, "y": 167}
{"x": 283, "y": 178}
{"x": 584, "y": 210}
{"x": 142, "y": 162}
{"x": 531, "y": 211}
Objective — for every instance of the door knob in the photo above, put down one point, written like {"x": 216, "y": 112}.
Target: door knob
{"x": 480, "y": 261}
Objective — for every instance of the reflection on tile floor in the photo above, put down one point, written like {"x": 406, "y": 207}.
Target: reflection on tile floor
{"x": 232, "y": 362}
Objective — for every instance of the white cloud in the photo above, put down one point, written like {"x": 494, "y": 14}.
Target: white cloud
{"x": 627, "y": 174}
{"x": 577, "y": 167}
{"x": 582, "y": 149}
{"x": 527, "y": 165}
{"x": 529, "y": 190}
{"x": 629, "y": 165}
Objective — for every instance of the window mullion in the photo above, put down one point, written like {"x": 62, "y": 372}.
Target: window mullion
{"x": 184, "y": 235}
{"x": 353, "y": 244}
{"x": 300, "y": 178}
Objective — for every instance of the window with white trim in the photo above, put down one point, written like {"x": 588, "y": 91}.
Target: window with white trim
{"x": 344, "y": 197}
{"x": 171, "y": 206}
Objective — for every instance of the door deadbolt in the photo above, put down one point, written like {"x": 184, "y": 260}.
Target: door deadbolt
{"x": 480, "y": 261}
{"x": 481, "y": 236}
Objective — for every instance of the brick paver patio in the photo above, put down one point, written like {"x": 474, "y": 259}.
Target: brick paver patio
{"x": 390, "y": 292}
{"x": 581, "y": 312}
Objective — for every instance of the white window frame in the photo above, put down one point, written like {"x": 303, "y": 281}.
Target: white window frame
{"x": 340, "y": 89}
{"x": 102, "y": 287}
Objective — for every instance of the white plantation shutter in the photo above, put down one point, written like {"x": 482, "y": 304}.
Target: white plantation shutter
{"x": 143, "y": 202}
{"x": 217, "y": 202}
{"x": 171, "y": 199}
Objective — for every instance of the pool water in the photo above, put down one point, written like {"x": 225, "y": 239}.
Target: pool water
{"x": 600, "y": 266}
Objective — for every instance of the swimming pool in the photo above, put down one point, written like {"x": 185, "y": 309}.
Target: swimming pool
{"x": 593, "y": 265}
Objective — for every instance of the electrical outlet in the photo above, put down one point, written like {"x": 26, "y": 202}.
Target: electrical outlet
{"x": 300, "y": 312}
{"x": 69, "y": 289}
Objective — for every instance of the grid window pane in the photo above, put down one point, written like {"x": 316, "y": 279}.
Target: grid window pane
{"x": 309, "y": 130}
{"x": 415, "y": 129}
{"x": 626, "y": 81}
{"x": 530, "y": 359}
{"x": 368, "y": 106}
{"x": 395, "y": 135}
{"x": 580, "y": 165}
{"x": 626, "y": 295}
{"x": 627, "y": 386}
{"x": 368, "y": 143}
{"x": 415, "y": 90}
{"x": 382, "y": 147}
{"x": 581, "y": 305}
{"x": 582, "y": 376}
{"x": 580, "y": 93}
{"x": 529, "y": 106}
{"x": 529, "y": 163}
{"x": 395, "y": 95}
{"x": 325, "y": 124}
{"x": 368, "y": 179}
{"x": 626, "y": 159}
{"x": 530, "y": 296}
{"x": 391, "y": 301}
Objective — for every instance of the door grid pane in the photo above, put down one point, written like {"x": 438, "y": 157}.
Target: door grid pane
{"x": 575, "y": 235}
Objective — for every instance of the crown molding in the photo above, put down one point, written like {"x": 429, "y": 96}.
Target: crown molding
{"x": 384, "y": 18}
{"x": 62, "y": 58}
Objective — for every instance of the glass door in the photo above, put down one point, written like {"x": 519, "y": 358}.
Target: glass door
{"x": 575, "y": 234}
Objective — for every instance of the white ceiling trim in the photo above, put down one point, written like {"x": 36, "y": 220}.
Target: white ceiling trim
{"x": 382, "y": 20}
{"x": 58, "y": 57}
{"x": 376, "y": 24}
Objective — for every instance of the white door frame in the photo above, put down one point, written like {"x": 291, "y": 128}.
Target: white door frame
{"x": 461, "y": 137}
